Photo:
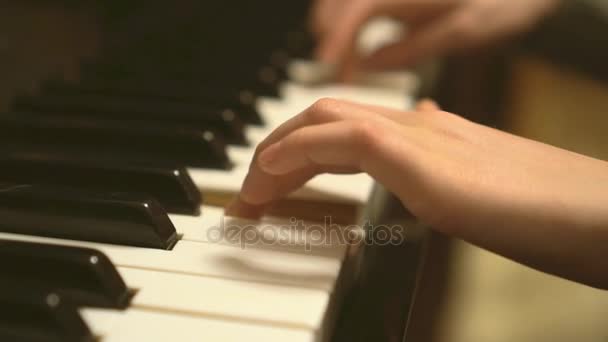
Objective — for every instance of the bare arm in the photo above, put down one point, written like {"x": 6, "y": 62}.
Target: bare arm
{"x": 531, "y": 202}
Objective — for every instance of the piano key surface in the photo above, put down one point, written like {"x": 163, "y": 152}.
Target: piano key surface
{"x": 292, "y": 235}
{"x": 174, "y": 277}
{"x": 171, "y": 283}
{"x": 256, "y": 272}
{"x": 205, "y": 290}
{"x": 228, "y": 299}
{"x": 108, "y": 217}
{"x": 294, "y": 266}
{"x": 143, "y": 325}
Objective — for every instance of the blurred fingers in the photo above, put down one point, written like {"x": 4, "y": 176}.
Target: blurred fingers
{"x": 338, "y": 42}
{"x": 323, "y": 13}
{"x": 424, "y": 42}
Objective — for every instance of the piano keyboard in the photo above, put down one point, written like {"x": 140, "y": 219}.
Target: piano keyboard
{"x": 105, "y": 235}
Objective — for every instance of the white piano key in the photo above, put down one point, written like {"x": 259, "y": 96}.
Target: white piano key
{"x": 298, "y": 97}
{"x": 149, "y": 326}
{"x": 268, "y": 233}
{"x": 393, "y": 89}
{"x": 220, "y": 261}
{"x": 275, "y": 111}
{"x": 403, "y": 81}
{"x": 310, "y": 72}
{"x": 343, "y": 189}
{"x": 226, "y": 299}
{"x": 313, "y": 74}
{"x": 255, "y": 134}
{"x": 378, "y": 33}
{"x": 240, "y": 154}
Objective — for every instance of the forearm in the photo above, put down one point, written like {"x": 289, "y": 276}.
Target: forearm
{"x": 559, "y": 228}
{"x": 531, "y": 202}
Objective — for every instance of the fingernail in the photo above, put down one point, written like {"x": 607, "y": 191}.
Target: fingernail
{"x": 267, "y": 158}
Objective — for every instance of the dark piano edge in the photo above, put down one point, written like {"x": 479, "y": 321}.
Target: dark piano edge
{"x": 362, "y": 314}
{"x": 574, "y": 37}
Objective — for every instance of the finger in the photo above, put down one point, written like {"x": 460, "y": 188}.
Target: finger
{"x": 242, "y": 209}
{"x": 316, "y": 12}
{"x": 337, "y": 45}
{"x": 430, "y": 40}
{"x": 323, "y": 11}
{"x": 339, "y": 147}
{"x": 317, "y": 147}
{"x": 260, "y": 189}
{"x": 347, "y": 71}
{"x": 326, "y": 111}
{"x": 427, "y": 105}
{"x": 288, "y": 164}
{"x": 403, "y": 117}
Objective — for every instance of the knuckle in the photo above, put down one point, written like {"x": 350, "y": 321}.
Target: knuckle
{"x": 365, "y": 133}
{"x": 296, "y": 138}
{"x": 322, "y": 109}
{"x": 325, "y": 104}
{"x": 464, "y": 26}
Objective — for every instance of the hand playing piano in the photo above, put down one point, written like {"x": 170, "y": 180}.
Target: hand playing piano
{"x": 531, "y": 202}
{"x": 436, "y": 27}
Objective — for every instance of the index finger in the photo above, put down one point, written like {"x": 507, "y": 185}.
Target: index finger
{"x": 327, "y": 110}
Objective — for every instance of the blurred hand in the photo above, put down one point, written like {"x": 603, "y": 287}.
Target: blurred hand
{"x": 436, "y": 27}
{"x": 529, "y": 201}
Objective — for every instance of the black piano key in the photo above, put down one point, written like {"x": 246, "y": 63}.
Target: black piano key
{"x": 111, "y": 140}
{"x": 171, "y": 186}
{"x": 31, "y": 313}
{"x": 242, "y": 102}
{"x": 67, "y": 213}
{"x": 300, "y": 44}
{"x": 85, "y": 276}
{"x": 222, "y": 120}
{"x": 263, "y": 80}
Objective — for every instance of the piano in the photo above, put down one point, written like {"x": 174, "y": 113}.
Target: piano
{"x": 126, "y": 127}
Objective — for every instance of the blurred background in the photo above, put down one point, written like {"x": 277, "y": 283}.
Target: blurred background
{"x": 550, "y": 85}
